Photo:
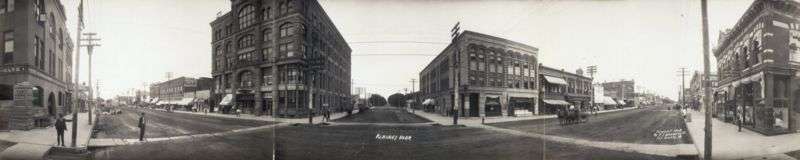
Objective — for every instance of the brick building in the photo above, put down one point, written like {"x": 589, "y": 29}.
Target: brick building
{"x": 497, "y": 77}
{"x": 35, "y": 48}
{"x": 694, "y": 97}
{"x": 561, "y": 89}
{"x": 622, "y": 90}
{"x": 758, "y": 61}
{"x": 263, "y": 53}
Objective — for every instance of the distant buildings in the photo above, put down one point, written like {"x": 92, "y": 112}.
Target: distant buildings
{"x": 265, "y": 53}
{"x": 174, "y": 91}
{"x": 622, "y": 90}
{"x": 36, "y": 48}
{"x": 757, "y": 62}
{"x": 497, "y": 77}
{"x": 695, "y": 94}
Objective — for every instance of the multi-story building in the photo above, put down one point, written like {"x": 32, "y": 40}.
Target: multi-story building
{"x": 172, "y": 90}
{"x": 265, "y": 53}
{"x": 561, "y": 89}
{"x": 36, "y": 48}
{"x": 622, "y": 90}
{"x": 497, "y": 77}
{"x": 757, "y": 62}
{"x": 695, "y": 95}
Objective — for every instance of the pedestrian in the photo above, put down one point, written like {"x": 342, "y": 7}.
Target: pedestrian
{"x": 238, "y": 111}
{"x": 61, "y": 126}
{"x": 739, "y": 117}
{"x": 142, "y": 126}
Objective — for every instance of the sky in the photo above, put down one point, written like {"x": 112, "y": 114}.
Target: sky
{"x": 647, "y": 41}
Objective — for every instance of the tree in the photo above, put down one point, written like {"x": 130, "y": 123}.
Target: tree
{"x": 377, "y": 100}
{"x": 397, "y": 100}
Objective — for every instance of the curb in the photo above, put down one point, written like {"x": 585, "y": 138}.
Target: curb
{"x": 113, "y": 142}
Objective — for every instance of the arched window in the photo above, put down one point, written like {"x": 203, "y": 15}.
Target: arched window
{"x": 245, "y": 79}
{"x": 218, "y": 50}
{"x": 38, "y": 96}
{"x": 287, "y": 30}
{"x": 246, "y": 16}
{"x": 245, "y": 41}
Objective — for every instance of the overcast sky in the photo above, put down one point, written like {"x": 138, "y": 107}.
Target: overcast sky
{"x": 642, "y": 40}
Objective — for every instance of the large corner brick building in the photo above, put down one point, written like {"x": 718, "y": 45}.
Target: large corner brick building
{"x": 36, "y": 48}
{"x": 262, "y": 50}
{"x": 497, "y": 77}
{"x": 758, "y": 60}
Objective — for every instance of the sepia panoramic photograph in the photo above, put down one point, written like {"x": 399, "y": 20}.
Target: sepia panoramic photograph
{"x": 399, "y": 79}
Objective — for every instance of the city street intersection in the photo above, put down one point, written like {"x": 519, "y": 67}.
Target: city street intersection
{"x": 389, "y": 133}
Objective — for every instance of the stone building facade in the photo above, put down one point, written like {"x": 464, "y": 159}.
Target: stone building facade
{"x": 497, "y": 77}
{"x": 758, "y": 60}
{"x": 265, "y": 53}
{"x": 622, "y": 90}
{"x": 561, "y": 89}
{"x": 36, "y": 48}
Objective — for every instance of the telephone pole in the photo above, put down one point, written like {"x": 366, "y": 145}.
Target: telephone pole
{"x": 76, "y": 84}
{"x": 682, "y": 93}
{"x": 706, "y": 80}
{"x": 413, "y": 84}
{"x": 91, "y": 42}
{"x": 592, "y": 69}
{"x": 455, "y": 69}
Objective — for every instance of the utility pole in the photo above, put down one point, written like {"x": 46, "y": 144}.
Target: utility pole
{"x": 413, "y": 84}
{"x": 682, "y": 92}
{"x": 456, "y": 63}
{"x": 76, "y": 84}
{"x": 91, "y": 42}
{"x": 706, "y": 80}
{"x": 592, "y": 69}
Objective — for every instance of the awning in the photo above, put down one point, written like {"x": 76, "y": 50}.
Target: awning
{"x": 621, "y": 102}
{"x": 555, "y": 80}
{"x": 184, "y": 101}
{"x": 556, "y": 102}
{"x": 226, "y": 100}
{"x": 428, "y": 102}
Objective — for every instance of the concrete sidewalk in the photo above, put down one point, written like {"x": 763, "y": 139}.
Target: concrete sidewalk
{"x": 47, "y": 136}
{"x": 729, "y": 143}
{"x": 316, "y": 119}
{"x": 111, "y": 142}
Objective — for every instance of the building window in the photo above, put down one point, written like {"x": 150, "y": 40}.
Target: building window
{"x": 246, "y": 41}
{"x": 267, "y": 76}
{"x": 293, "y": 75}
{"x": 245, "y": 79}
{"x": 286, "y": 49}
{"x": 228, "y": 47}
{"x": 284, "y": 7}
{"x": 287, "y": 30}
{"x": 246, "y": 16}
{"x": 473, "y": 65}
{"x": 8, "y": 47}
{"x": 6, "y": 6}
{"x": 267, "y": 53}
{"x": 266, "y": 33}
{"x": 267, "y": 12}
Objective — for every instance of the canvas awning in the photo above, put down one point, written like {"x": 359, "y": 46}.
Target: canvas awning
{"x": 226, "y": 100}
{"x": 555, "y": 80}
{"x": 184, "y": 101}
{"x": 428, "y": 102}
{"x": 556, "y": 102}
{"x": 621, "y": 102}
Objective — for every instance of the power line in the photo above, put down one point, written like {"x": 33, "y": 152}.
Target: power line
{"x": 397, "y": 54}
{"x": 418, "y": 42}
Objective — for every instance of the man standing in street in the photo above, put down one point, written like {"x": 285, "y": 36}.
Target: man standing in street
{"x": 60, "y": 125}
{"x": 142, "y": 126}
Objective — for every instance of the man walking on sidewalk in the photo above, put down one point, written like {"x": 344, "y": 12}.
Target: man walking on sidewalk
{"x": 142, "y": 126}
{"x": 60, "y": 125}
